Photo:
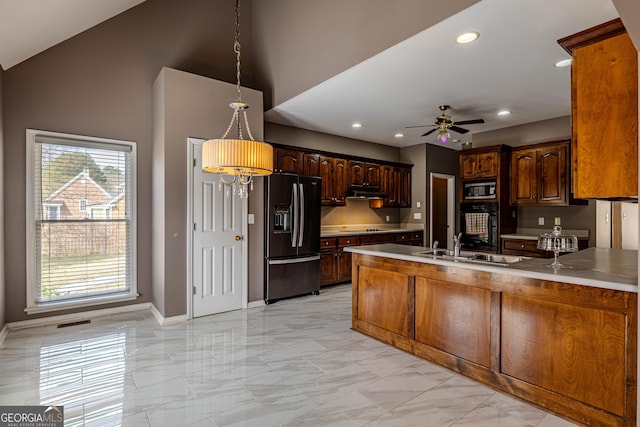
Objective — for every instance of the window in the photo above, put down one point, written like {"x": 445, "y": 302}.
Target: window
{"x": 76, "y": 259}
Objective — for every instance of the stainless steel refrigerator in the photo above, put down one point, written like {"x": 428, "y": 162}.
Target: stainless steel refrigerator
{"x": 292, "y": 241}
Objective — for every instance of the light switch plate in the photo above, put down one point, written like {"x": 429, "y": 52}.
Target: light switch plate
{"x": 417, "y": 215}
{"x": 540, "y": 220}
{"x": 418, "y": 204}
{"x": 557, "y": 221}
{"x": 251, "y": 219}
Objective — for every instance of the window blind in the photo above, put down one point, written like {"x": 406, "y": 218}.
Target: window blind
{"x": 83, "y": 218}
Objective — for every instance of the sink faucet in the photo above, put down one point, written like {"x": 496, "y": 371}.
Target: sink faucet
{"x": 456, "y": 243}
{"x": 434, "y": 246}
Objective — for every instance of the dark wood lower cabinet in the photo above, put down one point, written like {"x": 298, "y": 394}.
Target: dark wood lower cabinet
{"x": 335, "y": 263}
{"x": 567, "y": 348}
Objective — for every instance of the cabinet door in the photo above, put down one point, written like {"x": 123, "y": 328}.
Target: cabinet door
{"x": 523, "y": 177}
{"x": 488, "y": 164}
{"x": 404, "y": 194}
{"x": 340, "y": 181}
{"x": 311, "y": 164}
{"x": 387, "y": 185}
{"x": 357, "y": 172}
{"x": 288, "y": 161}
{"x": 328, "y": 267}
{"x": 372, "y": 176}
{"x": 344, "y": 266}
{"x": 604, "y": 89}
{"x": 327, "y": 193}
{"x": 469, "y": 165}
{"x": 552, "y": 184}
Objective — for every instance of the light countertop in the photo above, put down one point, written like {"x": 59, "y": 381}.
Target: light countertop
{"x": 533, "y": 233}
{"x": 615, "y": 269}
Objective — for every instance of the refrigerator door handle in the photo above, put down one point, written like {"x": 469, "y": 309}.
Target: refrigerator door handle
{"x": 301, "y": 212}
{"x": 293, "y": 260}
{"x": 294, "y": 213}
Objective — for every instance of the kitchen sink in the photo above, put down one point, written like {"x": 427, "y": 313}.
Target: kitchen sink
{"x": 473, "y": 257}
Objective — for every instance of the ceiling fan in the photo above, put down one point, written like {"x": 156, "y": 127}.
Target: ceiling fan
{"x": 444, "y": 123}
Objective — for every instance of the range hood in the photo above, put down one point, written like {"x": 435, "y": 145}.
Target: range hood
{"x": 365, "y": 194}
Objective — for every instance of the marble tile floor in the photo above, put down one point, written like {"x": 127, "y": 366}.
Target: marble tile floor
{"x": 292, "y": 363}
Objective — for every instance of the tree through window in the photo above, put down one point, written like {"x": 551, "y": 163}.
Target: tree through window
{"x": 79, "y": 252}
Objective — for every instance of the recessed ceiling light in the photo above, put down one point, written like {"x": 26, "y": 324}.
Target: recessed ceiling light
{"x": 504, "y": 112}
{"x": 399, "y": 135}
{"x": 563, "y": 63}
{"x": 467, "y": 37}
{"x": 356, "y": 125}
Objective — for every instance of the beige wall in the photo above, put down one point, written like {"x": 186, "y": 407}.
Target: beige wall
{"x": 292, "y": 36}
{"x": 99, "y": 83}
{"x": 187, "y": 105}
{"x": 357, "y": 211}
{"x": 2, "y": 290}
{"x": 629, "y": 11}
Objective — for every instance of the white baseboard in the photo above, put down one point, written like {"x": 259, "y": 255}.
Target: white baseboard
{"x": 75, "y": 317}
{"x": 3, "y": 333}
{"x": 167, "y": 320}
{"x": 255, "y": 304}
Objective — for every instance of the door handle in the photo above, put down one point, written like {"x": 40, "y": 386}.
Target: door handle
{"x": 238, "y": 238}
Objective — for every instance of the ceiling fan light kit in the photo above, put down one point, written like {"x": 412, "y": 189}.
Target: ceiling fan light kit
{"x": 444, "y": 123}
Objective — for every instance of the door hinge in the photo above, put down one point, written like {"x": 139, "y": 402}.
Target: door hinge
{"x": 194, "y": 226}
{"x": 195, "y": 161}
{"x": 194, "y": 290}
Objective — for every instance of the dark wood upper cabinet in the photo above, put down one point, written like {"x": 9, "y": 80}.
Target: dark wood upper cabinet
{"x": 333, "y": 173}
{"x": 481, "y": 165}
{"x": 364, "y": 175}
{"x": 311, "y": 164}
{"x": 288, "y": 161}
{"x": 604, "y": 112}
{"x": 539, "y": 175}
{"x": 339, "y": 174}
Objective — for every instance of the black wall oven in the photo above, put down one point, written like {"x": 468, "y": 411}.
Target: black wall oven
{"x": 479, "y": 226}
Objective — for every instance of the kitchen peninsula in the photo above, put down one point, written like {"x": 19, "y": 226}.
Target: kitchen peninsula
{"x": 564, "y": 339}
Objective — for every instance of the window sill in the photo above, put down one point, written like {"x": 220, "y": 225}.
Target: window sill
{"x": 72, "y": 304}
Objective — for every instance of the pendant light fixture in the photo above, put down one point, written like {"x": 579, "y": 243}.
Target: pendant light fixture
{"x": 239, "y": 160}
{"x": 443, "y": 135}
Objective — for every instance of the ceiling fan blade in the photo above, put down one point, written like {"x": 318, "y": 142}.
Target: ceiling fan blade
{"x": 458, "y": 129}
{"x": 469, "y": 122}
{"x": 419, "y": 126}
{"x": 430, "y": 132}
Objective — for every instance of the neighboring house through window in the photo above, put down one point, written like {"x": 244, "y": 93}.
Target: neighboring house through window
{"x": 81, "y": 221}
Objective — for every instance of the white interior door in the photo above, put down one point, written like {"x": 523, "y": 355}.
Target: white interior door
{"x": 217, "y": 244}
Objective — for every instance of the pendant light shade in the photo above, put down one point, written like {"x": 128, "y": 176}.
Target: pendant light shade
{"x": 243, "y": 157}
{"x": 237, "y": 160}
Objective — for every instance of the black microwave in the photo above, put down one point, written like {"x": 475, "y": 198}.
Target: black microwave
{"x": 479, "y": 190}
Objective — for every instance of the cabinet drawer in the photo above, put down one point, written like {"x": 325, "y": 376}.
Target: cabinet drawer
{"x": 404, "y": 237}
{"x": 348, "y": 241}
{"x": 372, "y": 239}
{"x": 329, "y": 242}
{"x": 520, "y": 245}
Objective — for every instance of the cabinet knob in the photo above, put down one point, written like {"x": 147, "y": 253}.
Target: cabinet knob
{"x": 523, "y": 246}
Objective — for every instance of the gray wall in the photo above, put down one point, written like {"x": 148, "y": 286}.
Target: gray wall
{"x": 99, "y": 83}
{"x": 187, "y": 105}
{"x": 2, "y": 291}
{"x": 417, "y": 156}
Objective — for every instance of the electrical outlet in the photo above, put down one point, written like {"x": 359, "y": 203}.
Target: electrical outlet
{"x": 387, "y": 218}
{"x": 417, "y": 215}
{"x": 557, "y": 221}
{"x": 540, "y": 220}
{"x": 418, "y": 204}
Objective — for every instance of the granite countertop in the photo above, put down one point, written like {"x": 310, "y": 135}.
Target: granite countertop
{"x": 350, "y": 230}
{"x": 533, "y": 233}
{"x": 615, "y": 269}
